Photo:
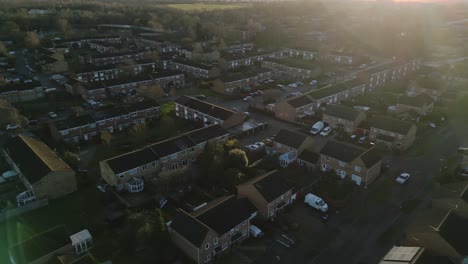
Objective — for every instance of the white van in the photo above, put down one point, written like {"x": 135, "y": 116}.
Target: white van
{"x": 255, "y": 231}
{"x": 316, "y": 202}
{"x": 317, "y": 127}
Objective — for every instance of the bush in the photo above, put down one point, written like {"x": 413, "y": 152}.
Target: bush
{"x": 71, "y": 159}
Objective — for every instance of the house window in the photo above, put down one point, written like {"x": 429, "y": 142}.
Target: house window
{"x": 215, "y": 241}
{"x": 133, "y": 172}
{"x": 120, "y": 176}
{"x": 175, "y": 166}
{"x": 64, "y": 132}
{"x": 144, "y": 167}
{"x": 244, "y": 222}
{"x": 232, "y": 231}
{"x": 153, "y": 164}
{"x": 192, "y": 149}
{"x": 342, "y": 164}
{"x": 174, "y": 156}
{"x": 207, "y": 246}
{"x": 183, "y": 153}
{"x": 357, "y": 168}
{"x": 184, "y": 162}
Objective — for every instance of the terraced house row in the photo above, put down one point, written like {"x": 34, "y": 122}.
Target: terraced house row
{"x": 86, "y": 127}
{"x": 122, "y": 172}
{"x": 111, "y": 72}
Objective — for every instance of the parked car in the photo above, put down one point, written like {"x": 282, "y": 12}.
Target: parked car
{"x": 12, "y": 127}
{"x": 317, "y": 127}
{"x": 362, "y": 140}
{"x": 316, "y": 202}
{"x": 28, "y": 81}
{"x": 247, "y": 98}
{"x": 201, "y": 96}
{"x": 52, "y": 115}
{"x": 255, "y": 231}
{"x": 403, "y": 178}
{"x": 313, "y": 82}
{"x": 354, "y": 137}
{"x": 326, "y": 131}
{"x": 252, "y": 147}
{"x": 260, "y": 145}
{"x": 260, "y": 92}
{"x": 362, "y": 66}
{"x": 431, "y": 124}
{"x": 293, "y": 85}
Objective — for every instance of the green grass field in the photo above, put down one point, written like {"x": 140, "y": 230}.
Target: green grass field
{"x": 198, "y": 7}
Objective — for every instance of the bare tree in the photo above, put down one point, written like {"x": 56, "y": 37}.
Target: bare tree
{"x": 31, "y": 39}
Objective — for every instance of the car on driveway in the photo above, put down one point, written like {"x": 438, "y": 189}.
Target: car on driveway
{"x": 362, "y": 140}
{"x": 52, "y": 115}
{"x": 326, "y": 131}
{"x": 247, "y": 98}
{"x": 403, "y": 178}
{"x": 12, "y": 127}
{"x": 252, "y": 147}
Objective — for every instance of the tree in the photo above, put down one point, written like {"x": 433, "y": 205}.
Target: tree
{"x": 3, "y": 49}
{"x": 237, "y": 159}
{"x": 31, "y": 40}
{"x": 63, "y": 26}
{"x": 138, "y": 132}
{"x": 151, "y": 91}
{"x": 106, "y": 137}
{"x": 231, "y": 144}
{"x": 172, "y": 91}
{"x": 71, "y": 159}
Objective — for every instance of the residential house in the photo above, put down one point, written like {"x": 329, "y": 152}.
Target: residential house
{"x": 74, "y": 86}
{"x": 54, "y": 245}
{"x": 232, "y": 82}
{"x": 168, "y": 48}
{"x": 292, "y": 68}
{"x": 40, "y": 169}
{"x": 362, "y": 166}
{"x": 269, "y": 193}
{"x": 81, "y": 42}
{"x": 294, "y": 109}
{"x": 413, "y": 255}
{"x": 239, "y": 47}
{"x": 309, "y": 159}
{"x": 86, "y": 127}
{"x": 111, "y": 72}
{"x": 21, "y": 92}
{"x": 212, "y": 230}
{"x": 394, "y": 133}
{"x": 289, "y": 144}
{"x": 246, "y": 59}
{"x": 200, "y": 53}
{"x": 329, "y": 95}
{"x": 113, "y": 58}
{"x": 339, "y": 57}
{"x": 343, "y": 118}
{"x": 301, "y": 53}
{"x": 167, "y": 155}
{"x": 434, "y": 87}
{"x": 422, "y": 104}
{"x": 209, "y": 114}
{"x": 197, "y": 70}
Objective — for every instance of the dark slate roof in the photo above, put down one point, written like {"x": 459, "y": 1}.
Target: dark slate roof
{"x": 191, "y": 63}
{"x": 232, "y": 76}
{"x": 272, "y": 186}
{"x": 371, "y": 157}
{"x": 189, "y": 228}
{"x": 390, "y": 124}
{"x": 75, "y": 122}
{"x": 328, "y": 91}
{"x": 356, "y": 82}
{"x": 343, "y": 112}
{"x": 420, "y": 100}
{"x": 309, "y": 156}
{"x": 19, "y": 86}
{"x": 110, "y": 55}
{"x": 299, "y": 101}
{"x": 38, "y": 246}
{"x": 227, "y": 214}
{"x": 207, "y": 133}
{"x": 140, "y": 106}
{"x": 110, "y": 113}
{"x": 290, "y": 138}
{"x": 205, "y": 107}
{"x": 381, "y": 68}
{"x": 341, "y": 151}
{"x": 427, "y": 258}
{"x": 455, "y": 231}
{"x": 34, "y": 158}
{"x": 132, "y": 160}
{"x": 171, "y": 146}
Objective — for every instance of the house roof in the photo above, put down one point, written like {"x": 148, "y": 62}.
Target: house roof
{"x": 75, "y": 122}
{"x": 271, "y": 186}
{"x": 290, "y": 138}
{"x": 40, "y": 245}
{"x": 205, "y": 107}
{"x": 116, "y": 54}
{"x": 232, "y": 76}
{"x": 371, "y": 157}
{"x": 141, "y": 106}
{"x": 328, "y": 91}
{"x": 189, "y": 227}
{"x": 299, "y": 101}
{"x": 341, "y": 111}
{"x": 191, "y": 63}
{"x": 110, "y": 113}
{"x": 227, "y": 214}
{"x": 454, "y": 230}
{"x": 171, "y": 146}
{"x": 356, "y": 82}
{"x": 427, "y": 258}
{"x": 341, "y": 151}
{"x": 420, "y": 100}
{"x": 390, "y": 124}
{"x": 207, "y": 133}
{"x": 19, "y": 86}
{"x": 132, "y": 160}
{"x": 309, "y": 156}
{"x": 34, "y": 158}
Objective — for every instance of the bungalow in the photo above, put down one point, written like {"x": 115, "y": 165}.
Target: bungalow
{"x": 205, "y": 234}
{"x": 40, "y": 169}
{"x": 232, "y": 82}
{"x": 269, "y": 193}
{"x": 422, "y": 104}
{"x": 197, "y": 70}
{"x": 394, "y": 133}
{"x": 343, "y": 118}
{"x": 21, "y": 92}
{"x": 294, "y": 109}
{"x": 361, "y": 165}
{"x": 167, "y": 155}
{"x": 200, "y": 111}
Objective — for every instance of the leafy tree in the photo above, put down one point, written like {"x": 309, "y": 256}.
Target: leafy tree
{"x": 31, "y": 40}
{"x": 71, "y": 159}
{"x": 63, "y": 26}
{"x": 237, "y": 159}
{"x": 3, "y": 49}
{"x": 231, "y": 144}
{"x": 106, "y": 137}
